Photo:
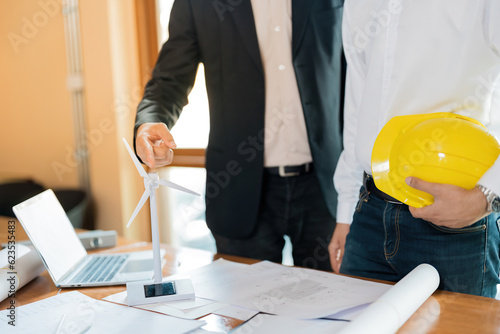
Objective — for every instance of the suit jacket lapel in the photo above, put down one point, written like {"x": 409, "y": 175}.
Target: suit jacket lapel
{"x": 300, "y": 13}
{"x": 243, "y": 19}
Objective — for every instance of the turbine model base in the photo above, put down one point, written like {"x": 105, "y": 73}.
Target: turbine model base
{"x": 149, "y": 292}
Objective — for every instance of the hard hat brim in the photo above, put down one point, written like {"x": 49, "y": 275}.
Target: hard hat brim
{"x": 387, "y": 173}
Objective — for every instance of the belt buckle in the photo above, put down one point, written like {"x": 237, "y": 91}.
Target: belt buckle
{"x": 282, "y": 173}
{"x": 393, "y": 202}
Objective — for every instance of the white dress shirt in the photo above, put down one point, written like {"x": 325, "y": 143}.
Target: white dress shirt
{"x": 285, "y": 135}
{"x": 413, "y": 57}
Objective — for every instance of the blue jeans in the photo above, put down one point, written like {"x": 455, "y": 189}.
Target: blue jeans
{"x": 292, "y": 206}
{"x": 385, "y": 242}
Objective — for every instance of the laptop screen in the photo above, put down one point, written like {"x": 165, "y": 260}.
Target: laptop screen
{"x": 51, "y": 232}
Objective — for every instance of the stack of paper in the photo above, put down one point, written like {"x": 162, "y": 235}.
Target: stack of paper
{"x": 298, "y": 300}
{"x": 73, "y": 312}
{"x": 289, "y": 291}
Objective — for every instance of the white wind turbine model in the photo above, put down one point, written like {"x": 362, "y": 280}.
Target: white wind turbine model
{"x": 147, "y": 292}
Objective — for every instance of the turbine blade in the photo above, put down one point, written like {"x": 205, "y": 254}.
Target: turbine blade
{"x": 137, "y": 164}
{"x": 178, "y": 187}
{"x": 143, "y": 199}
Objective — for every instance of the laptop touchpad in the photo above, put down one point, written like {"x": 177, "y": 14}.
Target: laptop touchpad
{"x": 137, "y": 266}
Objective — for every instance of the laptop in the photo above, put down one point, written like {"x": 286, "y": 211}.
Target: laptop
{"x": 63, "y": 254}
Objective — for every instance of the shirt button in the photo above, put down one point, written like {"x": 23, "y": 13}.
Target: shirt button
{"x": 277, "y": 28}
{"x": 281, "y": 67}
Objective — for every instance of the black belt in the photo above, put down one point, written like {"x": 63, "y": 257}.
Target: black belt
{"x": 287, "y": 171}
{"x": 373, "y": 190}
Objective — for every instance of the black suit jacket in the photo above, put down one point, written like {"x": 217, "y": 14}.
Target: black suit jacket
{"x": 221, "y": 34}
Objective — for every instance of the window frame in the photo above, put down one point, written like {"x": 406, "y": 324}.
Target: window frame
{"x": 146, "y": 14}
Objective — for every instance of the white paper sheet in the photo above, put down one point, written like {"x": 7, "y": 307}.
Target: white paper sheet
{"x": 204, "y": 331}
{"x": 210, "y": 272}
{"x": 27, "y": 266}
{"x": 394, "y": 308}
{"x": 85, "y": 314}
{"x": 348, "y": 314}
{"x": 41, "y": 306}
{"x": 269, "y": 324}
{"x": 185, "y": 309}
{"x": 236, "y": 312}
{"x": 288, "y": 291}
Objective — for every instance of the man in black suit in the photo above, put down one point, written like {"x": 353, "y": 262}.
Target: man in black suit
{"x": 274, "y": 75}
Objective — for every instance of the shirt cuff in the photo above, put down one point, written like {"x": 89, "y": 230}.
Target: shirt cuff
{"x": 345, "y": 212}
{"x": 490, "y": 179}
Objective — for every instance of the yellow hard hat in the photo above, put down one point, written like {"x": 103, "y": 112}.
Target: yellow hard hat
{"x": 438, "y": 147}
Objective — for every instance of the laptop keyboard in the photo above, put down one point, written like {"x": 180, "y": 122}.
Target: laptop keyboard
{"x": 100, "y": 269}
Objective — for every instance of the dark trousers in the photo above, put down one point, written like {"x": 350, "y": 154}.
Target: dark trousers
{"x": 292, "y": 206}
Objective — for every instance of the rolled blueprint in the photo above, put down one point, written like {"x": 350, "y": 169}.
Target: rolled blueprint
{"x": 388, "y": 313}
{"x": 26, "y": 266}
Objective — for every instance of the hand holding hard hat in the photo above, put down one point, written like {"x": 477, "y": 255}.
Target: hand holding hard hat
{"x": 441, "y": 148}
{"x": 453, "y": 207}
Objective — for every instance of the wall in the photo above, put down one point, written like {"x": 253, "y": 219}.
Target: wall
{"x": 37, "y": 126}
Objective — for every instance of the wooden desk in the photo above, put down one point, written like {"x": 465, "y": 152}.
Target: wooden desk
{"x": 445, "y": 312}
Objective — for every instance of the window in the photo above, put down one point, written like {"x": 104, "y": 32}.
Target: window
{"x": 185, "y": 213}
{"x": 191, "y": 130}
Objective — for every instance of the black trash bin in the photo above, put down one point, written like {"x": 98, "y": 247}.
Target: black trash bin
{"x": 75, "y": 202}
{"x": 15, "y": 192}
